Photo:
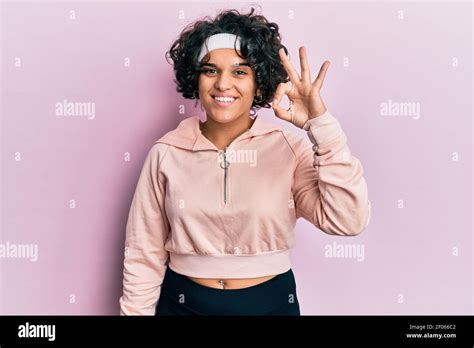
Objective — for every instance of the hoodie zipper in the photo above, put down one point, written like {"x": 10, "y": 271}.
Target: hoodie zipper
{"x": 226, "y": 165}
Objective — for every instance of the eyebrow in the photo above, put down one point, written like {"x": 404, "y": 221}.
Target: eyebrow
{"x": 235, "y": 65}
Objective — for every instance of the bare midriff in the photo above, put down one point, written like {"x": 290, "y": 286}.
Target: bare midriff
{"x": 231, "y": 283}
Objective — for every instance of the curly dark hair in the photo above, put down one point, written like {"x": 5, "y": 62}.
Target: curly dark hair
{"x": 260, "y": 42}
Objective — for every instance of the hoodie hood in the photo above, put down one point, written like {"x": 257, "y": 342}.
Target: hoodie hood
{"x": 187, "y": 135}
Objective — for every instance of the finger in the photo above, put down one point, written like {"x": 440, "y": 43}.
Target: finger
{"x": 305, "y": 74}
{"x": 292, "y": 73}
{"x": 318, "y": 82}
{"x": 281, "y": 90}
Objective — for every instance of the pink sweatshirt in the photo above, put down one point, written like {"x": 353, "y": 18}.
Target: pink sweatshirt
{"x": 232, "y": 213}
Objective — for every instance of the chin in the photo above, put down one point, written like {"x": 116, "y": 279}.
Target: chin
{"x": 223, "y": 117}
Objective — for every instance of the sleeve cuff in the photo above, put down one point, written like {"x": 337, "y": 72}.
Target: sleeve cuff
{"x": 323, "y": 129}
{"x": 313, "y": 120}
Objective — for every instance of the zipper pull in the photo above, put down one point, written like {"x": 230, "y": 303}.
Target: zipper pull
{"x": 226, "y": 163}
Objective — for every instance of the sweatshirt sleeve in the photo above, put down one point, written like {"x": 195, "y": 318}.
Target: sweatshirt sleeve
{"x": 329, "y": 188}
{"x": 146, "y": 233}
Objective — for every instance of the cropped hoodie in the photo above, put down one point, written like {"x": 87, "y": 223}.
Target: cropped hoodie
{"x": 231, "y": 213}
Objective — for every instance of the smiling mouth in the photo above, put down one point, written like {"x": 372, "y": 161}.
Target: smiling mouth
{"x": 224, "y": 102}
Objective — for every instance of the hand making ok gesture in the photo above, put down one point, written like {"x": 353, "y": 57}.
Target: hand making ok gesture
{"x": 305, "y": 98}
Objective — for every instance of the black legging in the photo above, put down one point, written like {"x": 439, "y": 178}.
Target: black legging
{"x": 182, "y": 296}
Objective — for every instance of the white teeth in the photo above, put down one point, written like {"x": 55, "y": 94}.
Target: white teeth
{"x": 225, "y": 99}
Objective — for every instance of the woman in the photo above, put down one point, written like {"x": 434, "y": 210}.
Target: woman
{"x": 211, "y": 222}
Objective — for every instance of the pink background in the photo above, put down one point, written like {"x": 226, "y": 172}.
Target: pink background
{"x": 409, "y": 265}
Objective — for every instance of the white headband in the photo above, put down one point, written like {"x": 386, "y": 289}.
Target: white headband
{"x": 222, "y": 40}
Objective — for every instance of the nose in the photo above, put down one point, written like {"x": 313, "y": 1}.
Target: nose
{"x": 223, "y": 82}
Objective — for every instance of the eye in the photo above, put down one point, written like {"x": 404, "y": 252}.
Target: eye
{"x": 212, "y": 71}
{"x": 205, "y": 71}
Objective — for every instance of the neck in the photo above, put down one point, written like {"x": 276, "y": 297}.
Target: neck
{"x": 222, "y": 134}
